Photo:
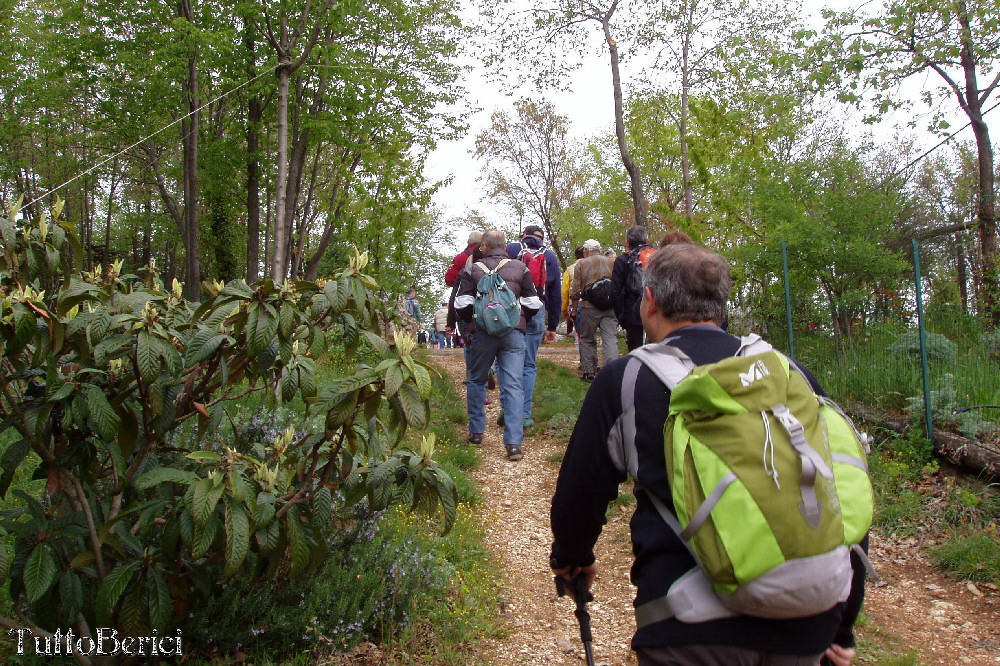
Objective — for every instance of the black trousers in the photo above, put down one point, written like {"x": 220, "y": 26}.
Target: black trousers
{"x": 719, "y": 655}
{"x": 633, "y": 335}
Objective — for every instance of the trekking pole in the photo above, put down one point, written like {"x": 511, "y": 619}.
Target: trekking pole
{"x": 582, "y": 595}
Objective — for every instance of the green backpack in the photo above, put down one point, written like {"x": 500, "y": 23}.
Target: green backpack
{"x": 769, "y": 483}
{"x": 496, "y": 310}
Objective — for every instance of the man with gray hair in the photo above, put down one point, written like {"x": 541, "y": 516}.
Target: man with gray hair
{"x": 507, "y": 350}
{"x": 462, "y": 258}
{"x": 685, "y": 295}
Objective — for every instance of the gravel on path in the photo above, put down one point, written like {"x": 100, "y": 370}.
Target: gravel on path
{"x": 918, "y": 607}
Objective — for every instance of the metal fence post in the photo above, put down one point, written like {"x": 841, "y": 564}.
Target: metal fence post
{"x": 788, "y": 300}
{"x": 928, "y": 416}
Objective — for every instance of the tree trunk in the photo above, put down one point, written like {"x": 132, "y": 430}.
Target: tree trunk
{"x": 267, "y": 234}
{"x": 255, "y": 113}
{"x": 304, "y": 221}
{"x": 989, "y": 296}
{"x": 226, "y": 262}
{"x": 107, "y": 220}
{"x": 284, "y": 44}
{"x": 190, "y": 128}
{"x": 553, "y": 237}
{"x": 86, "y": 231}
{"x": 962, "y": 272}
{"x": 147, "y": 236}
{"x": 333, "y": 217}
{"x": 280, "y": 245}
{"x": 635, "y": 177}
{"x": 296, "y": 165}
{"x": 987, "y": 229}
{"x": 682, "y": 125}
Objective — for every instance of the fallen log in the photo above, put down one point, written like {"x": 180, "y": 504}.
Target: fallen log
{"x": 973, "y": 455}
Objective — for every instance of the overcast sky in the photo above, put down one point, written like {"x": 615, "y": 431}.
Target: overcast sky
{"x": 589, "y": 105}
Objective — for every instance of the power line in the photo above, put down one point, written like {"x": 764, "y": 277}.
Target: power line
{"x": 166, "y": 127}
{"x": 147, "y": 137}
{"x": 941, "y": 143}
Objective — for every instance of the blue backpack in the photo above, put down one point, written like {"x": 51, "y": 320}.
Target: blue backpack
{"x": 495, "y": 310}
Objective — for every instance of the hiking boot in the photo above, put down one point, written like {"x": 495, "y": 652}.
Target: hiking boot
{"x": 529, "y": 422}
{"x": 500, "y": 418}
{"x": 475, "y": 438}
{"x": 514, "y": 453}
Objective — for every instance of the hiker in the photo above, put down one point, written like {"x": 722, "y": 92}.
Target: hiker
{"x": 462, "y": 259}
{"x": 507, "y": 349}
{"x": 544, "y": 268}
{"x": 456, "y": 324}
{"x": 686, "y": 288}
{"x": 593, "y": 291}
{"x": 627, "y": 279}
{"x": 441, "y": 327}
{"x": 672, "y": 237}
{"x": 569, "y": 312}
{"x": 413, "y": 305}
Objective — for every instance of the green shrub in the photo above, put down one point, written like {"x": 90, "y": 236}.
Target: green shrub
{"x": 991, "y": 343}
{"x": 153, "y": 489}
{"x": 939, "y": 348}
{"x": 944, "y": 410}
{"x": 367, "y": 588}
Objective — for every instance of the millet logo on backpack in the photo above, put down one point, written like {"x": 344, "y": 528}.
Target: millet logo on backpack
{"x": 756, "y": 372}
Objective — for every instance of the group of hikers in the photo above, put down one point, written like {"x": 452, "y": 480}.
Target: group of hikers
{"x": 750, "y": 530}
{"x": 594, "y": 295}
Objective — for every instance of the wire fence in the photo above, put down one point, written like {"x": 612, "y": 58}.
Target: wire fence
{"x": 939, "y": 368}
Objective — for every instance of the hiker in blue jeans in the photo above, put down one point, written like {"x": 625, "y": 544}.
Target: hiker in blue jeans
{"x": 540, "y": 326}
{"x": 509, "y": 353}
{"x": 508, "y": 350}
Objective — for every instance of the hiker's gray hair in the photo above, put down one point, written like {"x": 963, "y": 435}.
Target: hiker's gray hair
{"x": 636, "y": 235}
{"x": 689, "y": 282}
{"x": 475, "y": 237}
{"x": 494, "y": 240}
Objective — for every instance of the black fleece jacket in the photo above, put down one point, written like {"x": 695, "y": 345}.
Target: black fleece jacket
{"x": 589, "y": 479}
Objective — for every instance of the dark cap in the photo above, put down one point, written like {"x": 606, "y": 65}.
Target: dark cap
{"x": 534, "y": 230}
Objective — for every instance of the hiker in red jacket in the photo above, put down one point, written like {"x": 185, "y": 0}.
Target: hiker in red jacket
{"x": 462, "y": 258}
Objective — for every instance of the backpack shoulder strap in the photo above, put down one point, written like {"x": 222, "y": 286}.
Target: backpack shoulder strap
{"x": 753, "y": 344}
{"x": 483, "y": 266}
{"x": 670, "y": 366}
{"x": 503, "y": 261}
{"x": 669, "y": 363}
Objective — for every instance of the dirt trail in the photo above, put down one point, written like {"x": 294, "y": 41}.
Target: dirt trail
{"x": 913, "y": 607}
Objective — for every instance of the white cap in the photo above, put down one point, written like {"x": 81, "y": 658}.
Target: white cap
{"x": 592, "y": 245}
